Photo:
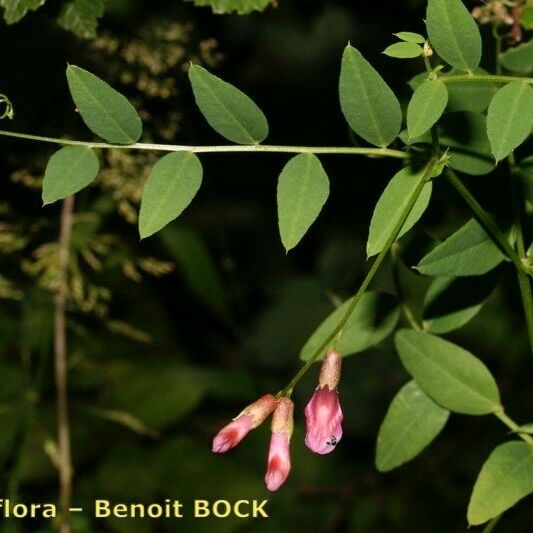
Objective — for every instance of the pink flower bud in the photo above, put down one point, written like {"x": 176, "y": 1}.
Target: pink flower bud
{"x": 323, "y": 413}
{"x": 279, "y": 459}
{"x": 251, "y": 417}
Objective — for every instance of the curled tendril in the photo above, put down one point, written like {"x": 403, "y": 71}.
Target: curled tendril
{"x": 8, "y": 111}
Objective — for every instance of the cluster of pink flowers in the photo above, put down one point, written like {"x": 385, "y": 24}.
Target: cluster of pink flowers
{"x": 323, "y": 417}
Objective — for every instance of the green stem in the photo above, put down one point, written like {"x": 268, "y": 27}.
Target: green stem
{"x": 527, "y": 302}
{"x": 483, "y": 78}
{"x": 512, "y": 425}
{"x": 484, "y": 219}
{"x": 366, "y": 282}
{"x": 372, "y": 152}
{"x": 523, "y": 279}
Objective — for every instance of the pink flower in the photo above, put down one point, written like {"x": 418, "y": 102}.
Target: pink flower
{"x": 251, "y": 417}
{"x": 323, "y": 413}
{"x": 279, "y": 459}
{"x": 323, "y": 416}
{"x": 229, "y": 436}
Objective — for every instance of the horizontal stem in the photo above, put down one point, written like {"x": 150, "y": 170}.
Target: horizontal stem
{"x": 351, "y": 150}
{"x": 483, "y": 77}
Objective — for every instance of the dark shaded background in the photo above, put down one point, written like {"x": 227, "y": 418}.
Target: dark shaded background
{"x": 228, "y": 324}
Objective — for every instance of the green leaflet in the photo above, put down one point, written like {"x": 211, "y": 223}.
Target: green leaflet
{"x": 519, "y": 59}
{"x": 171, "y": 186}
{"x": 426, "y": 107}
{"x": 404, "y": 50}
{"x": 390, "y": 206}
{"x": 454, "y": 33}
{"x": 468, "y": 252}
{"x": 372, "y": 321}
{"x": 69, "y": 170}
{"x": 241, "y": 7}
{"x": 505, "y": 478}
{"x": 412, "y": 421}
{"x": 410, "y": 37}
{"x": 228, "y": 111}
{"x": 81, "y": 17}
{"x": 452, "y": 302}
{"x": 450, "y": 375}
{"x": 466, "y": 135}
{"x": 106, "y": 112}
{"x": 303, "y": 188}
{"x": 15, "y": 10}
{"x": 510, "y": 118}
{"x": 368, "y": 104}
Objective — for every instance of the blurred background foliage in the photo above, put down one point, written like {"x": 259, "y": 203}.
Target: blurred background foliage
{"x": 171, "y": 337}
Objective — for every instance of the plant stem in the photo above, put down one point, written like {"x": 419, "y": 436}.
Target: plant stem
{"x": 512, "y": 425}
{"x": 484, "y": 219}
{"x": 371, "y": 152}
{"x": 483, "y": 78}
{"x": 366, "y": 282}
{"x": 60, "y": 358}
{"x": 523, "y": 278}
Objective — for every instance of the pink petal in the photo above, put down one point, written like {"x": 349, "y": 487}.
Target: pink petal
{"x": 229, "y": 436}
{"x": 323, "y": 418}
